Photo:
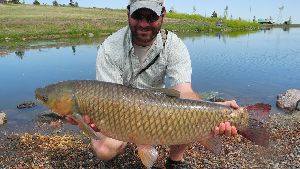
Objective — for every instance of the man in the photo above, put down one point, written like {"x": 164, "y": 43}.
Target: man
{"x": 142, "y": 55}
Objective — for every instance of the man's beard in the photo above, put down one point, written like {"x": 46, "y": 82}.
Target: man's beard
{"x": 144, "y": 38}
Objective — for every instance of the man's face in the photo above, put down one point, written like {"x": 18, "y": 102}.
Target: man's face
{"x": 144, "y": 25}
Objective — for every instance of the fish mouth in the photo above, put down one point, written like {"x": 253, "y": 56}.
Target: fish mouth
{"x": 40, "y": 96}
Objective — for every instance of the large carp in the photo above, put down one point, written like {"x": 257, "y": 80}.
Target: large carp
{"x": 151, "y": 116}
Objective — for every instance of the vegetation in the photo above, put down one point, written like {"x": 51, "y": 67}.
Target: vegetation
{"x": 29, "y": 22}
{"x": 36, "y": 2}
{"x": 55, "y": 3}
{"x": 16, "y": 1}
{"x": 198, "y": 23}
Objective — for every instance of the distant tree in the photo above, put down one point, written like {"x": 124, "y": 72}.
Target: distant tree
{"x": 194, "y": 9}
{"x": 254, "y": 19}
{"x": 172, "y": 9}
{"x": 71, "y": 3}
{"x": 226, "y": 12}
{"x": 16, "y": 1}
{"x": 23, "y": 2}
{"x": 214, "y": 15}
{"x": 55, "y": 3}
{"x": 76, "y": 4}
{"x": 36, "y": 2}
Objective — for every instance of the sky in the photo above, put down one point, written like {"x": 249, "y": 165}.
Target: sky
{"x": 246, "y": 9}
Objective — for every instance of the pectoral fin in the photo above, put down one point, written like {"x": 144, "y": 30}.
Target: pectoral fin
{"x": 212, "y": 143}
{"x": 87, "y": 130}
{"x": 147, "y": 154}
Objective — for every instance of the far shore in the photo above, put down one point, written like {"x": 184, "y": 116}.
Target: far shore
{"x": 22, "y": 25}
{"x": 31, "y": 22}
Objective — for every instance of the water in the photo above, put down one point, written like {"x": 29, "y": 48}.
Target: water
{"x": 250, "y": 68}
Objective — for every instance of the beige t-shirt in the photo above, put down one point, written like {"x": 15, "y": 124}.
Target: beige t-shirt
{"x": 141, "y": 52}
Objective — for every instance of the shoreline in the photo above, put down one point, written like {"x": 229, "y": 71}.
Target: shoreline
{"x": 30, "y": 22}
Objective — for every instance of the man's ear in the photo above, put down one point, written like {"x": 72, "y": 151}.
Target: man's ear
{"x": 163, "y": 12}
{"x": 128, "y": 10}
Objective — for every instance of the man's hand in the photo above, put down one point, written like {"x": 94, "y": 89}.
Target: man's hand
{"x": 226, "y": 128}
{"x": 87, "y": 120}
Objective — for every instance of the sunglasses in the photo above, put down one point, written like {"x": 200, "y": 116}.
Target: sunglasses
{"x": 149, "y": 18}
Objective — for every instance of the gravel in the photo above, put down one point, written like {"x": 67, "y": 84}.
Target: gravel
{"x": 63, "y": 150}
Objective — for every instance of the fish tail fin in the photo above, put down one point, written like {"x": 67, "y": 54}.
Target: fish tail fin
{"x": 256, "y": 132}
{"x": 148, "y": 155}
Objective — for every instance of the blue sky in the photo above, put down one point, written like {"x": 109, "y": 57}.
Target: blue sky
{"x": 245, "y": 9}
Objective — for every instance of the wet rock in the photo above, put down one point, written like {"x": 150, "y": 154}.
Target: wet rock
{"x": 2, "y": 118}
{"x": 48, "y": 117}
{"x": 212, "y": 96}
{"x": 27, "y": 104}
{"x": 288, "y": 100}
{"x": 90, "y": 35}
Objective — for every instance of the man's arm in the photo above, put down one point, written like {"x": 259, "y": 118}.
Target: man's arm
{"x": 186, "y": 92}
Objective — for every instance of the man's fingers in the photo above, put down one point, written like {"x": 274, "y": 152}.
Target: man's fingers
{"x": 94, "y": 127}
{"x": 217, "y": 130}
{"x": 233, "y": 104}
{"x": 227, "y": 129}
{"x": 233, "y": 131}
{"x": 70, "y": 120}
{"x": 222, "y": 128}
{"x": 87, "y": 119}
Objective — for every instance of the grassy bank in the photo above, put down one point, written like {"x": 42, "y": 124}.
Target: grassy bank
{"x": 28, "y": 22}
{"x": 20, "y": 22}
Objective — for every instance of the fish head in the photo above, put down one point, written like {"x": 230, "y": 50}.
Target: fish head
{"x": 58, "y": 97}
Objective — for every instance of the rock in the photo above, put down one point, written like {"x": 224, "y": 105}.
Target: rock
{"x": 90, "y": 35}
{"x": 27, "y": 104}
{"x": 288, "y": 100}
{"x": 2, "y": 118}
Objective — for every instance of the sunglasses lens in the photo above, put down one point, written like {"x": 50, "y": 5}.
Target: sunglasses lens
{"x": 152, "y": 18}
{"x": 149, "y": 18}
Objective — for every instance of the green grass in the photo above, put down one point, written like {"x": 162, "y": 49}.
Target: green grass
{"x": 47, "y": 22}
{"x": 28, "y": 22}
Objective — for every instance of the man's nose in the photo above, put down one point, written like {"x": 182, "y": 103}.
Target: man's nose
{"x": 143, "y": 22}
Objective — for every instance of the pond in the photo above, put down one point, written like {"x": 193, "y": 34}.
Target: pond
{"x": 250, "y": 68}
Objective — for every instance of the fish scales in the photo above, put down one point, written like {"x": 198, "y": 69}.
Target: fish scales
{"x": 147, "y": 117}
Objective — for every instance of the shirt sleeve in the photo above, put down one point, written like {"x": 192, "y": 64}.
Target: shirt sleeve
{"x": 179, "y": 69}
{"x": 106, "y": 68}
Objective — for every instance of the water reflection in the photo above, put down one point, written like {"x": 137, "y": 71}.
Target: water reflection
{"x": 286, "y": 29}
{"x": 20, "y": 54}
{"x": 252, "y": 68}
{"x": 74, "y": 50}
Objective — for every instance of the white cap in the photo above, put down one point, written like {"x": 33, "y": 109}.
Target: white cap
{"x": 154, "y": 5}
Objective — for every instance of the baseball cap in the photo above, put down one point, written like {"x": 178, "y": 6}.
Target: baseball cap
{"x": 154, "y": 5}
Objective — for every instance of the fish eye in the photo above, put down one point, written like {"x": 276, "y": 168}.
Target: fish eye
{"x": 45, "y": 98}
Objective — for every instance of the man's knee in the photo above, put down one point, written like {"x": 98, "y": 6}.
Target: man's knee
{"x": 107, "y": 149}
{"x": 104, "y": 153}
